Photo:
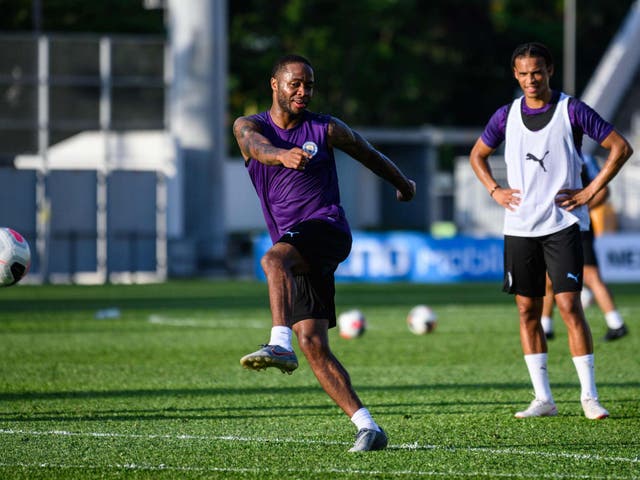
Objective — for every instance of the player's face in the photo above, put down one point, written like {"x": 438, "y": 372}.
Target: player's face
{"x": 293, "y": 88}
{"x": 533, "y": 75}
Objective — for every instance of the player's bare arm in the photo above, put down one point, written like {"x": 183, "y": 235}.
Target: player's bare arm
{"x": 479, "y": 159}
{"x": 619, "y": 153}
{"x": 255, "y": 145}
{"x": 355, "y": 145}
{"x": 599, "y": 198}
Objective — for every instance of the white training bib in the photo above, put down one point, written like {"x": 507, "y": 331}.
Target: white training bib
{"x": 539, "y": 164}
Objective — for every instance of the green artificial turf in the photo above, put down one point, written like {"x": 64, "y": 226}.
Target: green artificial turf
{"x": 158, "y": 392}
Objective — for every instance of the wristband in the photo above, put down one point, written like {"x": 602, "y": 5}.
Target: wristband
{"x": 493, "y": 190}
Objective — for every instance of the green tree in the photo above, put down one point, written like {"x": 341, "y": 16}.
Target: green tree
{"x": 378, "y": 62}
{"x": 108, "y": 16}
{"x": 406, "y": 62}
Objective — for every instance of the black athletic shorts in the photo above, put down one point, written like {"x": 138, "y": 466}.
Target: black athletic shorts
{"x": 324, "y": 247}
{"x": 588, "y": 239}
{"x": 528, "y": 259}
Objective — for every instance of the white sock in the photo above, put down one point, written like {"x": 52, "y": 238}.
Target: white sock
{"x": 281, "y": 336}
{"x": 614, "y": 319}
{"x": 362, "y": 419}
{"x": 586, "y": 375}
{"x": 547, "y": 324}
{"x": 537, "y": 366}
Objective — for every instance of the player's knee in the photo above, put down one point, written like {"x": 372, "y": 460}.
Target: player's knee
{"x": 569, "y": 305}
{"x": 271, "y": 262}
{"x": 312, "y": 345}
{"x": 529, "y": 311}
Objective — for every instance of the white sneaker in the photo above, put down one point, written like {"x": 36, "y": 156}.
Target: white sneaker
{"x": 539, "y": 408}
{"x": 271, "y": 356}
{"x": 593, "y": 410}
{"x": 368, "y": 439}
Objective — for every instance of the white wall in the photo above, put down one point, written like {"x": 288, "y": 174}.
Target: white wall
{"x": 242, "y": 207}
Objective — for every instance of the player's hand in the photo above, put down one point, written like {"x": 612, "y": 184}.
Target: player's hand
{"x": 570, "y": 199}
{"x": 508, "y": 198}
{"x": 407, "y": 196}
{"x": 296, "y": 158}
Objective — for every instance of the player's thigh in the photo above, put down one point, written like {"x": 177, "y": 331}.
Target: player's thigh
{"x": 283, "y": 255}
{"x": 565, "y": 259}
{"x": 321, "y": 244}
{"x": 524, "y": 267}
{"x": 315, "y": 297}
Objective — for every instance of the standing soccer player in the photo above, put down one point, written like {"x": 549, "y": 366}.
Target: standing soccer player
{"x": 545, "y": 209}
{"x": 289, "y": 154}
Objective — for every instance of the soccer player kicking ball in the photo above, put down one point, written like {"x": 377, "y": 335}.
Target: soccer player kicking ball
{"x": 545, "y": 209}
{"x": 288, "y": 153}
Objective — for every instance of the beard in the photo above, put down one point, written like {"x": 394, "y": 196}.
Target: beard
{"x": 286, "y": 105}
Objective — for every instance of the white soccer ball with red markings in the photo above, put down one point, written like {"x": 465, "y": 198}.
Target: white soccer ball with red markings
{"x": 352, "y": 324}
{"x": 15, "y": 257}
{"x": 421, "y": 320}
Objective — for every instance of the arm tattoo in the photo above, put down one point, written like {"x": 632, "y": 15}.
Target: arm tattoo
{"x": 252, "y": 143}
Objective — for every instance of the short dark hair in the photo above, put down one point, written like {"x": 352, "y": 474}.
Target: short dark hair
{"x": 286, "y": 60}
{"x": 532, "y": 49}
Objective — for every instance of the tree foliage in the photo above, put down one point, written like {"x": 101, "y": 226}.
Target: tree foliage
{"x": 107, "y": 16}
{"x": 407, "y": 62}
{"x": 377, "y": 62}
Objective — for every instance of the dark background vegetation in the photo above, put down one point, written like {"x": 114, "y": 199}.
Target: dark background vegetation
{"x": 377, "y": 62}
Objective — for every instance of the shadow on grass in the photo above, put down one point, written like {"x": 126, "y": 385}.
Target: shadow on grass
{"x": 232, "y": 409}
{"x": 171, "y": 413}
{"x": 223, "y": 391}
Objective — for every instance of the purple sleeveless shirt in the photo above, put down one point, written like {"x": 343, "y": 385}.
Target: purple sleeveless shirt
{"x": 288, "y": 196}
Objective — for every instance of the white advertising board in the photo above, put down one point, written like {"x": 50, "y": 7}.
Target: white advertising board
{"x": 619, "y": 257}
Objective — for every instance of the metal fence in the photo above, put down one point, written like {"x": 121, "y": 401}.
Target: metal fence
{"x": 79, "y": 96}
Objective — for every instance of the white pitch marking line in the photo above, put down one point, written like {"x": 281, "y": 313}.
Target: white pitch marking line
{"x": 208, "y": 323}
{"x": 411, "y": 446}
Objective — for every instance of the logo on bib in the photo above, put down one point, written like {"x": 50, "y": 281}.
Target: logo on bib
{"x": 531, "y": 156}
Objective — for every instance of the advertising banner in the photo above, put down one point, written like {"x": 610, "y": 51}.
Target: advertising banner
{"x": 412, "y": 257}
{"x": 619, "y": 257}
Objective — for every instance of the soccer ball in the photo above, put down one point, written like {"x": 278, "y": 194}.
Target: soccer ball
{"x": 352, "y": 324}
{"x": 421, "y": 320}
{"x": 15, "y": 257}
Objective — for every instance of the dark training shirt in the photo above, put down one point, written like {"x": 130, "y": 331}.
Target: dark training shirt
{"x": 290, "y": 196}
